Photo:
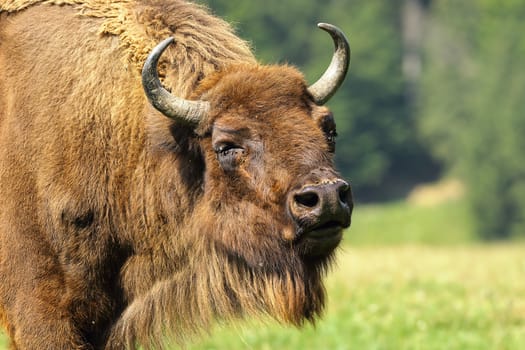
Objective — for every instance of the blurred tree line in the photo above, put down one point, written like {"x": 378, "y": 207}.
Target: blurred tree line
{"x": 472, "y": 105}
{"x": 435, "y": 87}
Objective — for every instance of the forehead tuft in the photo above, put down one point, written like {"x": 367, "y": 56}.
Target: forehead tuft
{"x": 256, "y": 88}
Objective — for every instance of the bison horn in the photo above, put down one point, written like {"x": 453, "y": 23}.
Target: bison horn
{"x": 185, "y": 111}
{"x": 327, "y": 85}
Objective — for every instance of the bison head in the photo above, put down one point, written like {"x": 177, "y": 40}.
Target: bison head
{"x": 271, "y": 199}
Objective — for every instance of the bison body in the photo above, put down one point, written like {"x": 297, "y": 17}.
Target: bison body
{"x": 121, "y": 220}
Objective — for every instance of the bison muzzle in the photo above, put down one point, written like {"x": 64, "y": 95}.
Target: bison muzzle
{"x": 154, "y": 177}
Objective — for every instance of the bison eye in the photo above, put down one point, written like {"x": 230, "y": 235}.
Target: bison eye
{"x": 229, "y": 155}
{"x": 330, "y": 137}
{"x": 328, "y": 127}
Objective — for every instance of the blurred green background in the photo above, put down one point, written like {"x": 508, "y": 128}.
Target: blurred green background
{"x": 431, "y": 124}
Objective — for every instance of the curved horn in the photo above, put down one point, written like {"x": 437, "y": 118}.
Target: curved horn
{"x": 185, "y": 111}
{"x": 333, "y": 77}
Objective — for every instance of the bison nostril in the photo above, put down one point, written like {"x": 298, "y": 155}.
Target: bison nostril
{"x": 343, "y": 193}
{"x": 308, "y": 199}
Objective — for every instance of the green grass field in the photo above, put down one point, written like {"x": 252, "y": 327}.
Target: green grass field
{"x": 407, "y": 277}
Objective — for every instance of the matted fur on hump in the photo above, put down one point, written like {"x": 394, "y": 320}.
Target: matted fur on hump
{"x": 204, "y": 43}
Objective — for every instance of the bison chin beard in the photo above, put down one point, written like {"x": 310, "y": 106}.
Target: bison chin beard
{"x": 261, "y": 269}
{"x": 236, "y": 269}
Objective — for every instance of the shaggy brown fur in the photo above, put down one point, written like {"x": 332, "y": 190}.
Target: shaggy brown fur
{"x": 118, "y": 227}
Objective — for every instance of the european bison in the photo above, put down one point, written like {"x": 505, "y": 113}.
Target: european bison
{"x": 123, "y": 220}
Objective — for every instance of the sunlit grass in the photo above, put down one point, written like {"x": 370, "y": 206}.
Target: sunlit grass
{"x": 401, "y": 222}
{"x": 407, "y": 277}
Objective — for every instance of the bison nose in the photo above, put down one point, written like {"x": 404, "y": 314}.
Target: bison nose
{"x": 322, "y": 208}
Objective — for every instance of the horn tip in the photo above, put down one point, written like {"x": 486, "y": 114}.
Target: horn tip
{"x": 168, "y": 41}
{"x": 325, "y": 26}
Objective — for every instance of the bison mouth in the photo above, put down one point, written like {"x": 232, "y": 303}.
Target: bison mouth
{"x": 321, "y": 240}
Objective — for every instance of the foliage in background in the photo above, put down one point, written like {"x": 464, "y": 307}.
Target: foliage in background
{"x": 473, "y": 105}
{"x": 377, "y": 147}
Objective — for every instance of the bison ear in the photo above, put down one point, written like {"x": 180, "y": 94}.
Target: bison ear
{"x": 333, "y": 77}
{"x": 184, "y": 111}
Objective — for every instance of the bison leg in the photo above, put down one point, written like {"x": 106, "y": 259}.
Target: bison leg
{"x": 39, "y": 326}
{"x": 33, "y": 295}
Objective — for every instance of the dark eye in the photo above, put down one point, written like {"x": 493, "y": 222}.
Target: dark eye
{"x": 229, "y": 155}
{"x": 331, "y": 135}
{"x": 328, "y": 127}
{"x": 330, "y": 139}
